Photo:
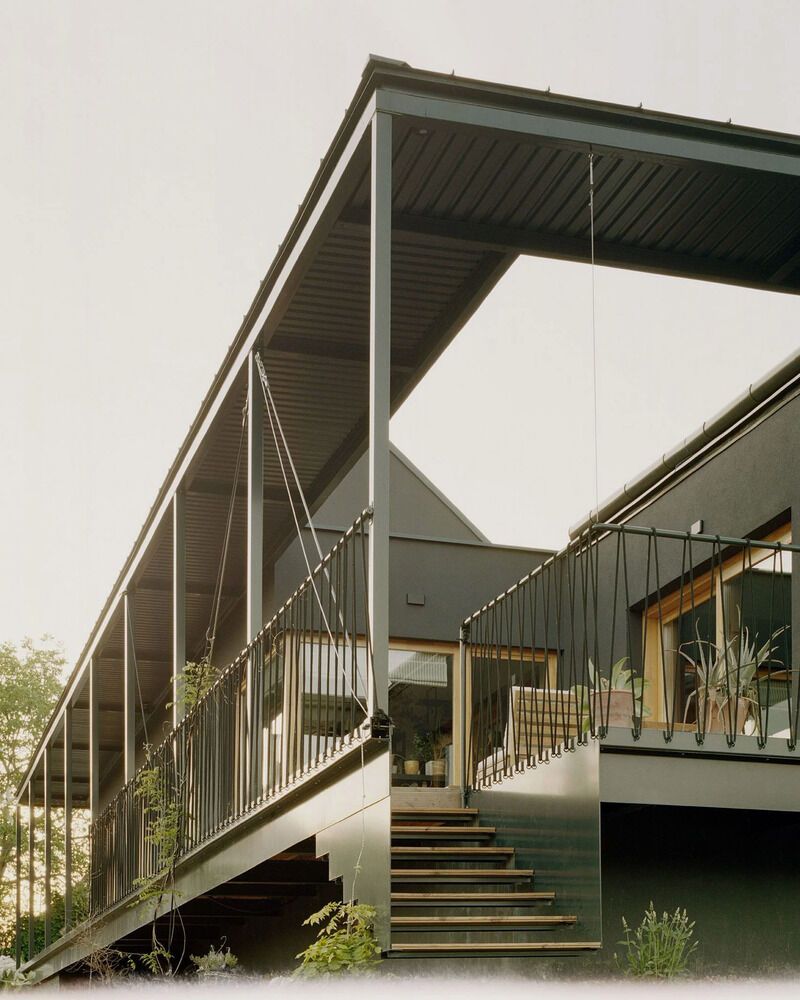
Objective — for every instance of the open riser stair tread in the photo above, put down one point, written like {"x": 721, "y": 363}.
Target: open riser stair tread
{"x": 412, "y": 831}
{"x": 457, "y": 892}
{"x": 472, "y": 898}
{"x": 450, "y": 874}
{"x": 497, "y": 949}
{"x": 483, "y": 923}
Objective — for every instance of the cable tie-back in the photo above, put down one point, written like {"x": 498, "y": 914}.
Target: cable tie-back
{"x": 279, "y": 439}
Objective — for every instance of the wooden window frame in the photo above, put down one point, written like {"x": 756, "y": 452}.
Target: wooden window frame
{"x": 665, "y": 612}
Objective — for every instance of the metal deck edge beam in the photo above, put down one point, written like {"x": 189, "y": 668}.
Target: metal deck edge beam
{"x": 316, "y": 228}
{"x": 560, "y": 128}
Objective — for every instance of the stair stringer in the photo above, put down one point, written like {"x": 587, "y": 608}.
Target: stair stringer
{"x": 550, "y": 814}
{"x": 368, "y": 828}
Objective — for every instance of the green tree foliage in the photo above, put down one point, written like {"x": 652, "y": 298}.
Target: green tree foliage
{"x": 31, "y": 677}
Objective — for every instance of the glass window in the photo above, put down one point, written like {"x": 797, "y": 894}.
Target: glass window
{"x": 694, "y": 630}
{"x": 421, "y": 708}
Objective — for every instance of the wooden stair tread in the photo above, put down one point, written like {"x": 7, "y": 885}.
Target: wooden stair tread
{"x": 472, "y": 899}
{"x": 412, "y": 830}
{"x": 535, "y": 920}
{"x": 499, "y": 874}
{"x": 471, "y": 852}
{"x": 431, "y": 811}
{"x": 489, "y": 947}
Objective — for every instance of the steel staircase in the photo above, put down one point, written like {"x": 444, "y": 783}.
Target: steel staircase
{"x": 456, "y": 892}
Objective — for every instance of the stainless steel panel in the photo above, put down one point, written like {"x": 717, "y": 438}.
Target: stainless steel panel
{"x": 551, "y": 815}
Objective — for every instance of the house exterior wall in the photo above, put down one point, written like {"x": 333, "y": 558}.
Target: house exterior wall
{"x": 712, "y": 834}
{"x": 434, "y": 552}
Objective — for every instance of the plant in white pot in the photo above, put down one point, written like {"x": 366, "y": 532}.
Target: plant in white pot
{"x": 725, "y": 695}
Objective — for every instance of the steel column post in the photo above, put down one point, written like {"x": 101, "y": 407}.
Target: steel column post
{"x": 255, "y": 555}
{"x": 18, "y": 894}
{"x": 48, "y": 840}
{"x": 67, "y": 816}
{"x": 178, "y": 605}
{"x": 380, "y": 320}
{"x": 255, "y": 499}
{"x": 94, "y": 738}
{"x": 31, "y": 869}
{"x": 129, "y": 689}
{"x": 462, "y": 701}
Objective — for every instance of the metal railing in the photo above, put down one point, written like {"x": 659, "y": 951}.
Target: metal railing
{"x": 632, "y": 628}
{"x": 294, "y": 698}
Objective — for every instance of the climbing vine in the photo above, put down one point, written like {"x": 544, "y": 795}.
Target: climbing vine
{"x": 161, "y": 789}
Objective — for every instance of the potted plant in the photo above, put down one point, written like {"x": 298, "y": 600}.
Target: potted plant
{"x": 614, "y": 698}
{"x": 725, "y": 693}
{"x": 412, "y": 762}
{"x": 435, "y": 763}
{"x": 423, "y": 752}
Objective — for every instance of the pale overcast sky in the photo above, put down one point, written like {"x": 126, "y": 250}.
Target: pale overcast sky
{"x": 153, "y": 155}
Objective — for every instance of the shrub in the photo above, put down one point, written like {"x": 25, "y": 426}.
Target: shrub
{"x": 345, "y": 943}
{"x": 10, "y": 979}
{"x": 658, "y": 948}
{"x": 215, "y": 961}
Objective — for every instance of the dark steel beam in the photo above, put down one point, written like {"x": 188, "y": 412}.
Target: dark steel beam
{"x": 453, "y": 234}
{"x": 311, "y": 347}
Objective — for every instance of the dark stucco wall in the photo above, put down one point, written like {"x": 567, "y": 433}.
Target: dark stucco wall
{"x": 735, "y": 871}
{"x": 453, "y": 578}
{"x": 743, "y": 487}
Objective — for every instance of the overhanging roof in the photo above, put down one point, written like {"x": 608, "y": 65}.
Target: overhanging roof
{"x": 481, "y": 173}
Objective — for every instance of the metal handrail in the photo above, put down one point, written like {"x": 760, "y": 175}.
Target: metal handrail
{"x": 289, "y": 701}
{"x": 538, "y": 658}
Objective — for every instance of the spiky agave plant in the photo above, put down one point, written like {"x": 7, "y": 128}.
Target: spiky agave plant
{"x": 728, "y": 672}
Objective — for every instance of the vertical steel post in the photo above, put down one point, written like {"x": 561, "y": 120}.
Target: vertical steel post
{"x": 48, "y": 840}
{"x": 380, "y": 322}
{"x": 67, "y": 816}
{"x": 178, "y": 604}
{"x": 18, "y": 894}
{"x": 255, "y": 499}
{"x": 255, "y": 556}
{"x": 94, "y": 738}
{"x": 462, "y": 750}
{"x": 129, "y": 688}
{"x": 31, "y": 870}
